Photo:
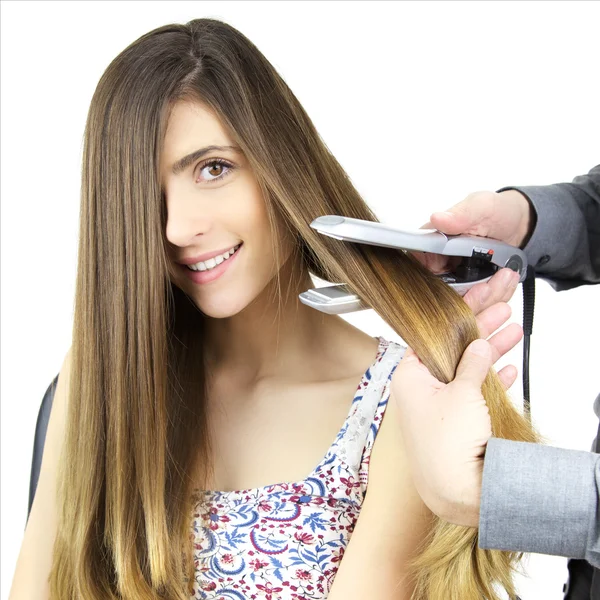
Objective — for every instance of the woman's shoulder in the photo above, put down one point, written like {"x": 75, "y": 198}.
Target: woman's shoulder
{"x": 353, "y": 348}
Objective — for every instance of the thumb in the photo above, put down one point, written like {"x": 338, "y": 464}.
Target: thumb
{"x": 475, "y": 363}
{"x": 451, "y": 222}
{"x": 468, "y": 216}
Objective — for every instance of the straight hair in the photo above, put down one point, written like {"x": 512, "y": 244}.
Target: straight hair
{"x": 136, "y": 425}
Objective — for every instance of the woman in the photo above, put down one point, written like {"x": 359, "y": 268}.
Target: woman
{"x": 197, "y": 382}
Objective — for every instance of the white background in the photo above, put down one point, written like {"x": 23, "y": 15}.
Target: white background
{"x": 422, "y": 103}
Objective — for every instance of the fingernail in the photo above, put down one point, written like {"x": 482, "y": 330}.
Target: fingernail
{"x": 480, "y": 348}
{"x": 507, "y": 277}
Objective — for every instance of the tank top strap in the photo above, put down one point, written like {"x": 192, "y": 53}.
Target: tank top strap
{"x": 367, "y": 411}
{"x": 391, "y": 359}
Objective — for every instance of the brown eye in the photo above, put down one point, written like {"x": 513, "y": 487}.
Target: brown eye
{"x": 214, "y": 170}
{"x": 217, "y": 168}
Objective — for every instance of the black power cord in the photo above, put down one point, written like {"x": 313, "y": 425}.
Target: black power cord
{"x": 528, "y": 303}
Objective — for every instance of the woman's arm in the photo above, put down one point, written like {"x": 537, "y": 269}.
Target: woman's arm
{"x": 392, "y": 523}
{"x": 35, "y": 557}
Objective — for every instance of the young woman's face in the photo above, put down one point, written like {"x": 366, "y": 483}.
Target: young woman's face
{"x": 217, "y": 221}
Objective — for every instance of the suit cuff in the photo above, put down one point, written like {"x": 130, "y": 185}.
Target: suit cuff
{"x": 537, "y": 498}
{"x": 557, "y": 217}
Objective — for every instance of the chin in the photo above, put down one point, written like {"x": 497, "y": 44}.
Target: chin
{"x": 219, "y": 308}
{"x": 221, "y": 302}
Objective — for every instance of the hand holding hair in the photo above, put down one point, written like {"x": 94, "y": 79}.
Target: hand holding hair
{"x": 445, "y": 428}
{"x": 506, "y": 216}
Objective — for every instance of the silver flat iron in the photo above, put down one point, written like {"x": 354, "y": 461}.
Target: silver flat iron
{"x": 481, "y": 258}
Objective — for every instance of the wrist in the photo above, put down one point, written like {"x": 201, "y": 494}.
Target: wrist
{"x": 464, "y": 512}
{"x": 528, "y": 218}
{"x": 453, "y": 502}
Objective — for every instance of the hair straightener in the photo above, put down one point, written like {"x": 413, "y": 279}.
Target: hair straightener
{"x": 480, "y": 259}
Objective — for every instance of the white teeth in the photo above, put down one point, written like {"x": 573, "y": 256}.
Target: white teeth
{"x": 211, "y": 263}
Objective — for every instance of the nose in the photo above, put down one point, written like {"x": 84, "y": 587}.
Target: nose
{"x": 186, "y": 219}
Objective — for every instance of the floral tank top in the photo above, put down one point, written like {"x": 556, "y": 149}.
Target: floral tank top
{"x": 285, "y": 541}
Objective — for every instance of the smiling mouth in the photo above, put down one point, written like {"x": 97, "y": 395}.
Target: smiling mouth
{"x": 215, "y": 261}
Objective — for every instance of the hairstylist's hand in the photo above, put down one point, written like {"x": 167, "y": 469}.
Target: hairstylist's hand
{"x": 505, "y": 216}
{"x": 445, "y": 428}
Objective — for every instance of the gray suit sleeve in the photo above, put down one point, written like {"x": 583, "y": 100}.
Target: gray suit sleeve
{"x": 542, "y": 499}
{"x": 565, "y": 245}
{"x": 538, "y": 498}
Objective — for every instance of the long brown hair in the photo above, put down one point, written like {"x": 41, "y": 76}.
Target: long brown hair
{"x": 136, "y": 411}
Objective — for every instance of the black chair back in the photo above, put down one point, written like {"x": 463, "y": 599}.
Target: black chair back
{"x": 40, "y": 437}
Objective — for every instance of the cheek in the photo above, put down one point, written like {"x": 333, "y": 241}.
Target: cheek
{"x": 254, "y": 223}
{"x": 273, "y": 245}
{"x": 256, "y": 219}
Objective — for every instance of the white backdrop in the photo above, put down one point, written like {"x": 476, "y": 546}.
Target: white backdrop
{"x": 422, "y": 103}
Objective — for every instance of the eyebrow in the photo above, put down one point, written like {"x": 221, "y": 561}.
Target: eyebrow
{"x": 183, "y": 163}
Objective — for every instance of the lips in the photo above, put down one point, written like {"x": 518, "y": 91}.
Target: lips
{"x": 204, "y": 257}
{"x": 203, "y": 277}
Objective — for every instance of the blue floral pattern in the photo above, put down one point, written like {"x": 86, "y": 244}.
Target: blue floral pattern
{"x": 286, "y": 541}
